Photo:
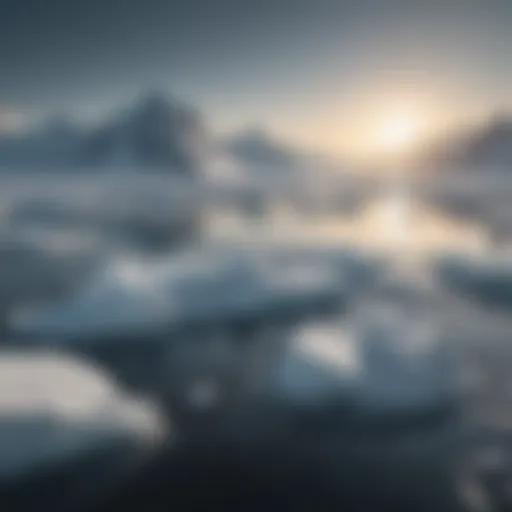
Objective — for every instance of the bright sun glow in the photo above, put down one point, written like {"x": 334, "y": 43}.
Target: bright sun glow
{"x": 398, "y": 132}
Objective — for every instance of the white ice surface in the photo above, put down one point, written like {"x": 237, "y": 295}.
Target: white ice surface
{"x": 53, "y": 406}
{"x": 384, "y": 359}
{"x": 136, "y": 294}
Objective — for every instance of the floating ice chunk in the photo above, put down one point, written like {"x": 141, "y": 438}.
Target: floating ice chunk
{"x": 406, "y": 365}
{"x": 321, "y": 365}
{"x": 137, "y": 297}
{"x": 387, "y": 360}
{"x": 58, "y": 386}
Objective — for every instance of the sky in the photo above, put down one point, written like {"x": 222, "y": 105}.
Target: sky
{"x": 327, "y": 74}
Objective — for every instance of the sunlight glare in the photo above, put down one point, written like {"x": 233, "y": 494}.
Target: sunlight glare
{"x": 399, "y": 132}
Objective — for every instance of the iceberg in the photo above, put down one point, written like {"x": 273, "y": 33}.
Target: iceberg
{"x": 155, "y": 325}
{"x": 383, "y": 365}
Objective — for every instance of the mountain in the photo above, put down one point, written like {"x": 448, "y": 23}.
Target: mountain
{"x": 492, "y": 145}
{"x": 255, "y": 146}
{"x": 488, "y": 145}
{"x": 156, "y": 134}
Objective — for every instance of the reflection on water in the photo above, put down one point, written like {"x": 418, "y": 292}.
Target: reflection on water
{"x": 394, "y": 223}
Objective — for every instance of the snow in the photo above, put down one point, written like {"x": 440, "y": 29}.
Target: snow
{"x": 385, "y": 355}
{"x": 56, "y": 409}
{"x": 294, "y": 263}
{"x": 322, "y": 364}
{"x": 386, "y": 358}
{"x": 52, "y": 405}
{"x": 131, "y": 295}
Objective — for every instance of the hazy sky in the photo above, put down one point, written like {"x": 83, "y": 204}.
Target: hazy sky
{"x": 317, "y": 71}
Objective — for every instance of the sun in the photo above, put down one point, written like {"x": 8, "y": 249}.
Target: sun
{"x": 398, "y": 132}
